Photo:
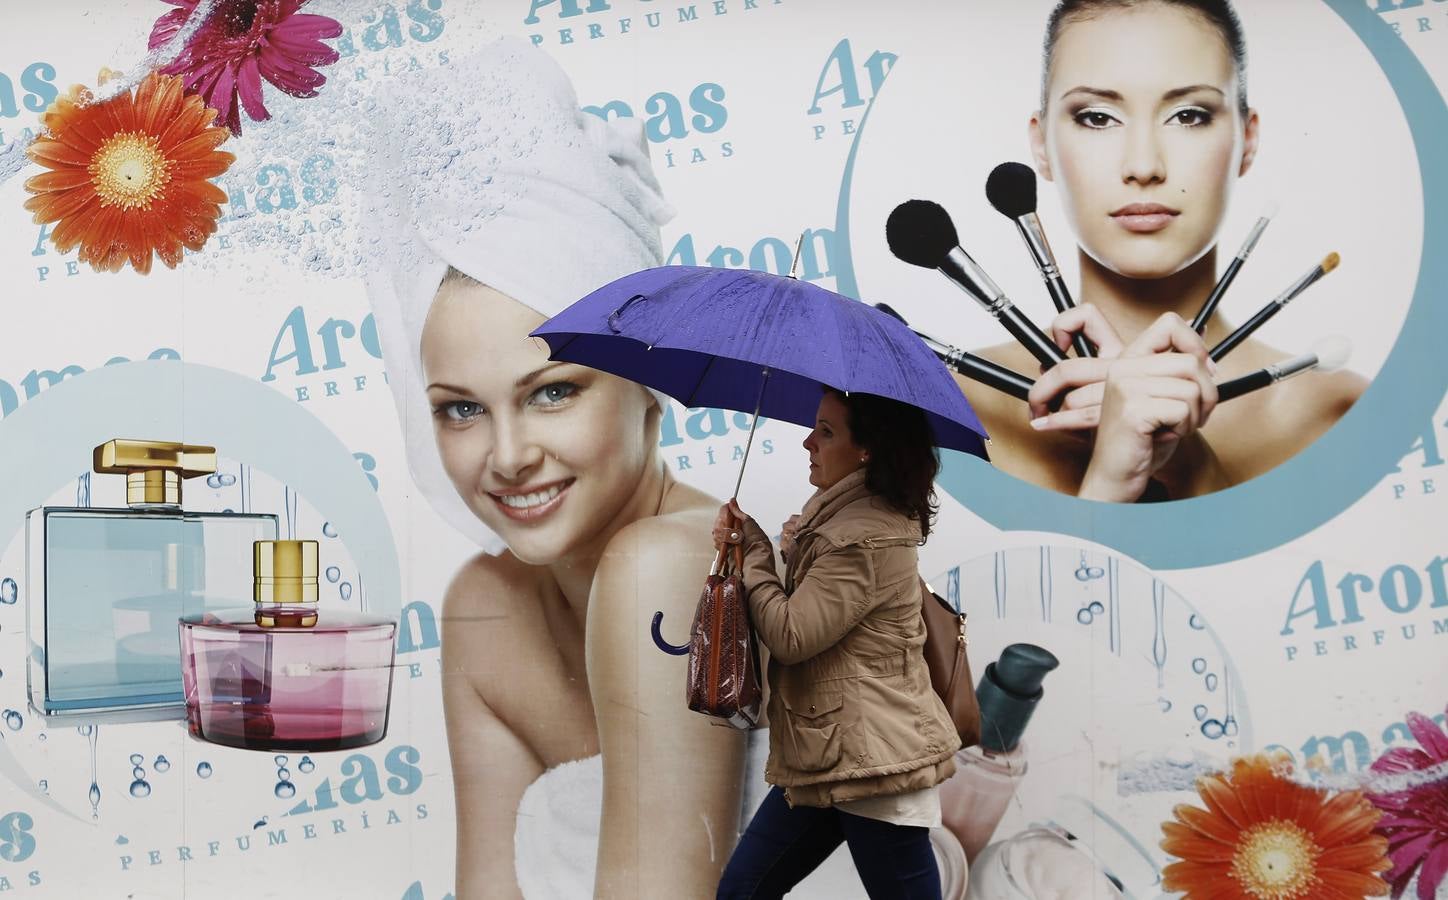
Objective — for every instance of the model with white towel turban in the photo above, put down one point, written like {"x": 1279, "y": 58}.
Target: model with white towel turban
{"x": 497, "y": 202}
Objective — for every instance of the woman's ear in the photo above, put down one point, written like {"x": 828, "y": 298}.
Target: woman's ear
{"x": 1037, "y": 135}
{"x": 1249, "y": 142}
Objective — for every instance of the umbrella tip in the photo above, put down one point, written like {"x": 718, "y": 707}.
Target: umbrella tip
{"x": 798, "y": 246}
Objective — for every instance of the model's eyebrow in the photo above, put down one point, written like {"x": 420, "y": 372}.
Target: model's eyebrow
{"x": 537, "y": 373}
{"x": 1172, "y": 94}
{"x": 450, "y": 388}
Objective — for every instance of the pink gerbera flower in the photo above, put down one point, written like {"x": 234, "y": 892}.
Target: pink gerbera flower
{"x": 1415, "y": 819}
{"x": 242, "y": 42}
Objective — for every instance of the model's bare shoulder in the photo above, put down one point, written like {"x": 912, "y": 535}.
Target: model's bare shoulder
{"x": 489, "y": 615}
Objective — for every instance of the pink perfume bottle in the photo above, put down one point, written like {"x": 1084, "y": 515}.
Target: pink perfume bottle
{"x": 286, "y": 675}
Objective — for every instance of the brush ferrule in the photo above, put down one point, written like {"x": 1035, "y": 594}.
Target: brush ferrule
{"x": 1252, "y": 238}
{"x": 1034, "y": 235}
{"x": 1293, "y": 366}
{"x": 1300, "y": 285}
{"x": 960, "y": 268}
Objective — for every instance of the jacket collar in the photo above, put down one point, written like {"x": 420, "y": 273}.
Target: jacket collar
{"x": 828, "y": 501}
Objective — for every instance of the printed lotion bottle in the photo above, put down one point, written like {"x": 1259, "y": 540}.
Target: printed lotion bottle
{"x": 286, "y": 674}
{"x": 975, "y": 798}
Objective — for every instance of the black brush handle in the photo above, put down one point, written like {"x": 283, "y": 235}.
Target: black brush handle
{"x": 1061, "y": 296}
{"x": 1199, "y": 323}
{"x": 1257, "y": 380}
{"x": 1007, "y": 381}
{"x": 1230, "y": 342}
{"x": 1031, "y": 337}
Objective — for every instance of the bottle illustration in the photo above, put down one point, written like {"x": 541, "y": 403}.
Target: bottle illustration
{"x": 284, "y": 674}
{"x": 104, "y": 587}
{"x": 976, "y": 797}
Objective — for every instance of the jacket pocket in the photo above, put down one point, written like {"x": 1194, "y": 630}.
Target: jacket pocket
{"x": 815, "y": 735}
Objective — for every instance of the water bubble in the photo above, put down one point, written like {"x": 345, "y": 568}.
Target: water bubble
{"x": 95, "y": 796}
{"x": 42, "y": 736}
{"x": 1096, "y": 608}
{"x": 83, "y": 730}
{"x": 280, "y": 759}
{"x": 162, "y": 764}
{"x": 13, "y": 720}
{"x": 285, "y": 790}
{"x": 345, "y": 589}
{"x": 1211, "y": 680}
{"x": 213, "y": 481}
{"x": 1213, "y": 729}
{"x": 138, "y": 773}
{"x": 1084, "y": 616}
{"x": 139, "y": 788}
{"x": 1229, "y": 727}
{"x": 284, "y": 774}
{"x": 1200, "y": 712}
{"x": 1196, "y": 622}
{"x": 228, "y": 510}
{"x": 226, "y": 479}
{"x": 306, "y": 765}
{"x": 1199, "y": 665}
{"x": 9, "y": 591}
{"x": 328, "y": 530}
{"x": 44, "y": 785}
{"x": 137, "y": 759}
{"x": 122, "y": 840}
{"x": 334, "y": 574}
{"x": 1165, "y": 704}
{"x": 203, "y": 769}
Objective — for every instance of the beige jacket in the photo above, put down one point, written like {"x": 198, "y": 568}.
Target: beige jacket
{"x": 851, "y": 710}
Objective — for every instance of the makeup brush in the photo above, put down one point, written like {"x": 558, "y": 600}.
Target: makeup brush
{"x": 920, "y": 232}
{"x": 1328, "y": 355}
{"x": 1011, "y": 189}
{"x": 1199, "y": 322}
{"x": 968, "y": 364}
{"x": 1260, "y": 318}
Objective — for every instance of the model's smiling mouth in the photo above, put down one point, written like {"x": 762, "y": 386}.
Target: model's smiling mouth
{"x": 530, "y": 503}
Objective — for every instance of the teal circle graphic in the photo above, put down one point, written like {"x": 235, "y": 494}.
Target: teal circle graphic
{"x": 1321, "y": 481}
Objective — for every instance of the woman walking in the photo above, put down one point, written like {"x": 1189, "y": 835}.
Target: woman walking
{"x": 858, "y": 739}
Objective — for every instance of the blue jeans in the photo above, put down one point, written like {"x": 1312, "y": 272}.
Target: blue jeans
{"x": 783, "y": 845}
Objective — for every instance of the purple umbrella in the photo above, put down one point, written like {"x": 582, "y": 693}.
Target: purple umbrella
{"x": 745, "y": 340}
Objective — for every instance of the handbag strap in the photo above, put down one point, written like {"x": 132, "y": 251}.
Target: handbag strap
{"x": 722, "y": 554}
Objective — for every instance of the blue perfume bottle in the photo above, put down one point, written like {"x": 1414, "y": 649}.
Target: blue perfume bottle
{"x": 104, "y": 587}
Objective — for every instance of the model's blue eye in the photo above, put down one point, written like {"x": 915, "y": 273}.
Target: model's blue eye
{"x": 554, "y": 394}
{"x": 459, "y": 410}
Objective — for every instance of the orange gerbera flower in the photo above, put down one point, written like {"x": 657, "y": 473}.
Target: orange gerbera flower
{"x": 1265, "y": 837}
{"x": 128, "y": 174}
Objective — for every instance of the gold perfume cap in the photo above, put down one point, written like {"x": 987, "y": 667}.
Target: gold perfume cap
{"x": 154, "y": 470}
{"x": 284, "y": 572}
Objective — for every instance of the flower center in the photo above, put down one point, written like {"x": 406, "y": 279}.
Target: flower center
{"x": 129, "y": 170}
{"x": 1276, "y": 860}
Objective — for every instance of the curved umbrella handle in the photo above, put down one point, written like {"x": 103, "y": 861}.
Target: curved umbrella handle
{"x": 671, "y": 649}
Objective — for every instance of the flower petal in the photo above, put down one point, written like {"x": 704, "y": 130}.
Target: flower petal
{"x": 1345, "y": 817}
{"x": 1435, "y": 867}
{"x": 57, "y": 180}
{"x": 248, "y": 87}
{"x": 1429, "y": 735}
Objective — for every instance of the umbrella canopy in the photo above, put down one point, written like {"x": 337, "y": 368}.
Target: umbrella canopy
{"x": 706, "y": 336}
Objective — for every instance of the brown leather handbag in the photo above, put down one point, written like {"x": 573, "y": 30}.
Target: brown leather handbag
{"x": 724, "y": 677}
{"x": 945, "y": 655}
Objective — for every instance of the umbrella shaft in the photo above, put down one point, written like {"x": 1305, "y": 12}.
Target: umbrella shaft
{"x": 758, "y": 404}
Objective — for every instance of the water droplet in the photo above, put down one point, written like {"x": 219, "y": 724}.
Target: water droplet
{"x": 95, "y": 796}
{"x": 139, "y": 788}
{"x": 1229, "y": 727}
{"x": 1199, "y": 711}
{"x": 306, "y": 765}
{"x": 122, "y": 840}
{"x": 42, "y": 736}
{"x": 9, "y": 591}
{"x": 334, "y": 574}
{"x": 285, "y": 790}
{"x": 83, "y": 730}
{"x": 1083, "y": 615}
{"x": 226, "y": 479}
{"x": 284, "y": 774}
{"x": 13, "y": 720}
{"x": 228, "y": 510}
{"x": 44, "y": 785}
{"x": 259, "y": 823}
{"x": 213, "y": 481}
{"x": 345, "y": 589}
{"x": 162, "y": 764}
{"x": 203, "y": 769}
{"x": 1199, "y": 665}
{"x": 328, "y": 530}
{"x": 280, "y": 759}
{"x": 1196, "y": 622}
{"x": 1096, "y": 608}
{"x": 1211, "y": 680}
{"x": 138, "y": 773}
{"x": 137, "y": 759}
{"x": 1212, "y": 729}
{"x": 1165, "y": 704}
